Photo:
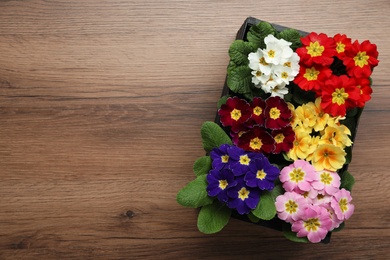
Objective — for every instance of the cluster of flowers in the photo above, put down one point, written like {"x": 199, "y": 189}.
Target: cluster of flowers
{"x": 238, "y": 177}
{"x": 259, "y": 126}
{"x": 337, "y": 70}
{"x": 274, "y": 67}
{"x": 319, "y": 137}
{"x": 313, "y": 202}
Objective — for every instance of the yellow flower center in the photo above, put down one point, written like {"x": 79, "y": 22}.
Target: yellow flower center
{"x": 361, "y": 59}
{"x": 244, "y": 159}
{"x": 225, "y": 158}
{"x": 258, "y": 73}
{"x": 223, "y": 184}
{"x": 274, "y": 113}
{"x": 257, "y": 111}
{"x": 235, "y": 114}
{"x": 261, "y": 175}
{"x": 255, "y": 143}
{"x": 339, "y": 96}
{"x": 340, "y": 47}
{"x": 287, "y": 64}
{"x": 326, "y": 178}
{"x": 271, "y": 53}
{"x": 279, "y": 138}
{"x": 312, "y": 224}
{"x": 311, "y": 74}
{"x": 263, "y": 62}
{"x": 243, "y": 193}
{"x": 297, "y": 175}
{"x": 315, "y": 49}
{"x": 291, "y": 206}
{"x": 343, "y": 203}
{"x": 284, "y": 75}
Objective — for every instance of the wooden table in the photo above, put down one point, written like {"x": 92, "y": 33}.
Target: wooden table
{"x": 101, "y": 102}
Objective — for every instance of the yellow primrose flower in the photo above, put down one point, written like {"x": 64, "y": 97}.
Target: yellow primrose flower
{"x": 322, "y": 117}
{"x": 314, "y": 142}
{"x": 306, "y": 114}
{"x": 336, "y": 135}
{"x": 301, "y": 146}
{"x": 294, "y": 120}
{"x": 328, "y": 157}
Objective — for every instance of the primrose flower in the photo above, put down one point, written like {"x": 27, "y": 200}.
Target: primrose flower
{"x": 258, "y": 106}
{"x": 306, "y": 116}
{"x": 240, "y": 160}
{"x": 277, "y": 51}
{"x": 339, "y": 94}
{"x": 321, "y": 117}
{"x": 284, "y": 139}
{"x": 243, "y": 198}
{"x": 317, "y": 49}
{"x": 290, "y": 206}
{"x": 336, "y": 135}
{"x": 328, "y": 157}
{"x": 257, "y": 139}
{"x": 341, "y": 204}
{"x": 314, "y": 224}
{"x": 365, "y": 91}
{"x": 277, "y": 113}
{"x": 234, "y": 113}
{"x": 298, "y": 176}
{"x": 262, "y": 174}
{"x": 327, "y": 182}
{"x": 219, "y": 182}
{"x": 361, "y": 59}
{"x": 343, "y": 43}
{"x": 312, "y": 77}
{"x": 220, "y": 157}
{"x": 301, "y": 146}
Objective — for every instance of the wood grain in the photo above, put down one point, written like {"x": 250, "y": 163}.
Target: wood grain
{"x": 100, "y": 108}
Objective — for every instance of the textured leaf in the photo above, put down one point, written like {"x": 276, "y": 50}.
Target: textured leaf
{"x": 213, "y": 136}
{"x": 202, "y": 165}
{"x": 258, "y": 32}
{"x": 194, "y": 194}
{"x": 347, "y": 181}
{"x": 212, "y": 218}
{"x": 239, "y": 51}
{"x": 292, "y": 36}
{"x": 253, "y": 218}
{"x": 239, "y": 80}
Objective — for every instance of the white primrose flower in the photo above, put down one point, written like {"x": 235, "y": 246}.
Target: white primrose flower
{"x": 274, "y": 67}
{"x": 279, "y": 91}
{"x": 277, "y": 51}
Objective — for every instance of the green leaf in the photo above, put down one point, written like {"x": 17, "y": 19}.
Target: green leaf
{"x": 239, "y": 80}
{"x": 348, "y": 157}
{"x": 239, "y": 51}
{"x": 258, "y": 32}
{"x": 266, "y": 209}
{"x": 202, "y": 165}
{"x": 292, "y": 36}
{"x": 253, "y": 218}
{"x": 212, "y": 218}
{"x": 213, "y": 136}
{"x": 347, "y": 181}
{"x": 194, "y": 194}
{"x": 292, "y": 235}
{"x": 222, "y": 101}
